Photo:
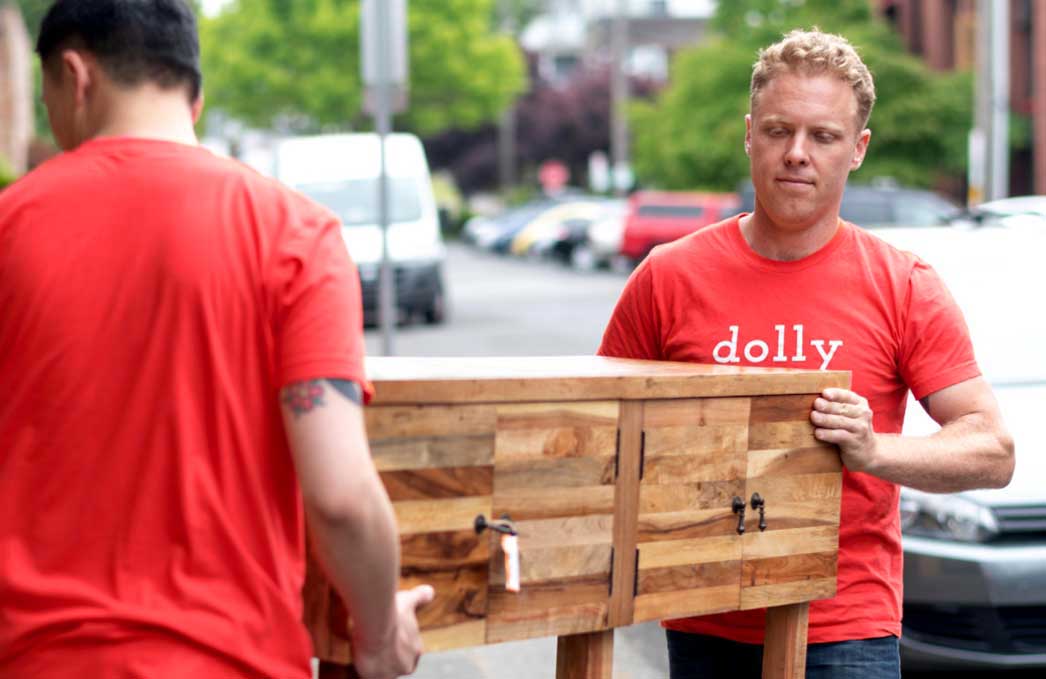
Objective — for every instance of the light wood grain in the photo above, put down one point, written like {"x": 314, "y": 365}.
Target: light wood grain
{"x": 555, "y": 563}
{"x": 767, "y": 435}
{"x": 562, "y": 607}
{"x": 594, "y": 529}
{"x": 790, "y": 408}
{"x": 473, "y": 450}
{"x": 529, "y": 416}
{"x": 775, "y": 543}
{"x": 790, "y": 568}
{"x": 678, "y": 468}
{"x": 786, "y": 593}
{"x": 471, "y": 633}
{"x": 686, "y": 525}
{"x": 549, "y": 503}
{"x": 784, "y": 652}
{"x": 679, "y": 604}
{"x": 682, "y": 552}
{"x": 626, "y": 501}
{"x": 792, "y": 461}
{"x": 585, "y": 656}
{"x": 714, "y": 496}
{"x": 690, "y": 576}
{"x": 577, "y": 378}
{"x": 391, "y": 422}
{"x": 714, "y": 414}
{"x": 428, "y": 516}
{"x": 573, "y": 472}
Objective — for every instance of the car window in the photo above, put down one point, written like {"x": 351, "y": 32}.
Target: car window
{"x": 865, "y": 210}
{"x": 670, "y": 211}
{"x": 356, "y": 201}
{"x": 923, "y": 211}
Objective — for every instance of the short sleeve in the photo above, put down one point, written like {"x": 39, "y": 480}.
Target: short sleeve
{"x": 318, "y": 304}
{"x": 632, "y": 329}
{"x": 936, "y": 351}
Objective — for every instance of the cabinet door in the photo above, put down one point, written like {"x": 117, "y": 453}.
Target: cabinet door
{"x": 554, "y": 466}
{"x": 694, "y": 463}
{"x": 800, "y": 482}
{"x": 437, "y": 464}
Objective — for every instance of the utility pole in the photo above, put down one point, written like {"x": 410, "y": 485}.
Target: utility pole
{"x": 989, "y": 172}
{"x": 619, "y": 152}
{"x": 507, "y": 124}
{"x": 384, "y": 63}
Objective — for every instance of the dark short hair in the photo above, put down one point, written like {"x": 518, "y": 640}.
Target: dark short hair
{"x": 135, "y": 41}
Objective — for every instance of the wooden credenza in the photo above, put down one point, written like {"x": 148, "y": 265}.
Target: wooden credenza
{"x": 624, "y": 480}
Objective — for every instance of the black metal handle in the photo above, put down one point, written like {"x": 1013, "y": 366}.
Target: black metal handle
{"x": 504, "y": 526}
{"x": 759, "y": 503}
{"x": 738, "y": 507}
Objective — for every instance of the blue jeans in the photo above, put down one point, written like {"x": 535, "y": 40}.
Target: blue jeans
{"x": 694, "y": 656}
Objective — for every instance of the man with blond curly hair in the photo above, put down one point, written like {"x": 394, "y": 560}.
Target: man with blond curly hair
{"x": 792, "y": 285}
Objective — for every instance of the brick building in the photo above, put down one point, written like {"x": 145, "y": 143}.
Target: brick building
{"x": 16, "y": 88}
{"x": 943, "y": 33}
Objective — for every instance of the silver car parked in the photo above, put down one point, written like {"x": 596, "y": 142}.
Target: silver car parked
{"x": 975, "y": 562}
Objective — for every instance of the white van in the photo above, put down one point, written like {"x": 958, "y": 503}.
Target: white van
{"x": 340, "y": 171}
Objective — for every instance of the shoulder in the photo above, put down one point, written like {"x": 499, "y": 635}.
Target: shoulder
{"x": 884, "y": 256}
{"x": 690, "y": 252}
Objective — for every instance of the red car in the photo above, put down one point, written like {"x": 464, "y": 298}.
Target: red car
{"x": 656, "y": 217}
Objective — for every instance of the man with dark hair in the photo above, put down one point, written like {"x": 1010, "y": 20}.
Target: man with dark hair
{"x": 181, "y": 363}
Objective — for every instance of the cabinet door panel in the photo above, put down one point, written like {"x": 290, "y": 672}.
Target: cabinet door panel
{"x": 800, "y": 481}
{"x": 554, "y": 473}
{"x": 694, "y": 464}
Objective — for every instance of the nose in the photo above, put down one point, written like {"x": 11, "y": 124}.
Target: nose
{"x": 796, "y": 154}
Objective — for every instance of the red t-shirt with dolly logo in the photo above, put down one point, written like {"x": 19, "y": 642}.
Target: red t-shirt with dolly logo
{"x": 155, "y": 298}
{"x": 856, "y": 304}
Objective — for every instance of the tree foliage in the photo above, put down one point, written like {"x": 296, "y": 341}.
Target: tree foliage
{"x": 692, "y": 135}
{"x": 295, "y": 64}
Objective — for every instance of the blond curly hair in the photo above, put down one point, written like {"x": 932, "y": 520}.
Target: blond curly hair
{"x": 815, "y": 53}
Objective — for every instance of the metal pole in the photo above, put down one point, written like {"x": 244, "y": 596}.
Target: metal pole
{"x": 619, "y": 96}
{"x": 1000, "y": 100}
{"x": 507, "y": 124}
{"x": 383, "y": 123}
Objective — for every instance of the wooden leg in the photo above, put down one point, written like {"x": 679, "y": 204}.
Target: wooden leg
{"x": 585, "y": 656}
{"x": 784, "y": 652}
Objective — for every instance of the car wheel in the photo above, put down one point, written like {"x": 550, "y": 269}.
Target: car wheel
{"x": 582, "y": 258}
{"x": 436, "y": 312}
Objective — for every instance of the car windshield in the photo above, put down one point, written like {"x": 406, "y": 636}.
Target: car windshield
{"x": 355, "y": 201}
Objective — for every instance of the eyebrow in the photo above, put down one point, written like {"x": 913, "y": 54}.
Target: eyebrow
{"x": 780, "y": 120}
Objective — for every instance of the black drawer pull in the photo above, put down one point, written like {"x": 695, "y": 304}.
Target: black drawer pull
{"x": 759, "y": 503}
{"x": 504, "y": 526}
{"x": 738, "y": 506}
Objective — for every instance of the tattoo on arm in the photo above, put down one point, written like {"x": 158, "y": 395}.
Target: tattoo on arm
{"x": 304, "y": 397}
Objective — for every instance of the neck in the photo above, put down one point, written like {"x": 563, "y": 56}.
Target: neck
{"x": 146, "y": 112}
{"x": 786, "y": 243}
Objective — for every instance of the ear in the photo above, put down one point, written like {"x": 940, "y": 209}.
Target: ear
{"x": 748, "y": 134}
{"x": 197, "y": 108}
{"x": 75, "y": 66}
{"x": 860, "y": 149}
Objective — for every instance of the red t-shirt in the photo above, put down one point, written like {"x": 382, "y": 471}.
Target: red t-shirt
{"x": 856, "y": 304}
{"x": 154, "y": 300}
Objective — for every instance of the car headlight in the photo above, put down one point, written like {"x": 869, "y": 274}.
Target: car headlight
{"x": 949, "y": 517}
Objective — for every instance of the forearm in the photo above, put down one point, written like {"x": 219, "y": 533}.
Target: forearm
{"x": 970, "y": 452}
{"x": 360, "y": 553}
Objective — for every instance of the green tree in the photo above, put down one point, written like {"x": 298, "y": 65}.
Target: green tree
{"x": 295, "y": 64}
{"x": 691, "y": 136}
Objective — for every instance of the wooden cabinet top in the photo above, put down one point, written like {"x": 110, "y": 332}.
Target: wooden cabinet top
{"x": 402, "y": 380}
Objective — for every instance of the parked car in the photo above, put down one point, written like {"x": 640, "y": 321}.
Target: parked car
{"x": 599, "y": 245}
{"x": 656, "y": 217}
{"x": 341, "y": 172}
{"x": 1017, "y": 211}
{"x": 871, "y": 206}
{"x": 540, "y": 236}
{"x": 974, "y": 579}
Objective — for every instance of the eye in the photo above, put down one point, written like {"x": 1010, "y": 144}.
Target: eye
{"x": 824, "y": 137}
{"x": 777, "y": 132}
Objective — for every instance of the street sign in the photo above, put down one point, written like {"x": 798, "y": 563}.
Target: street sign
{"x": 384, "y": 57}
